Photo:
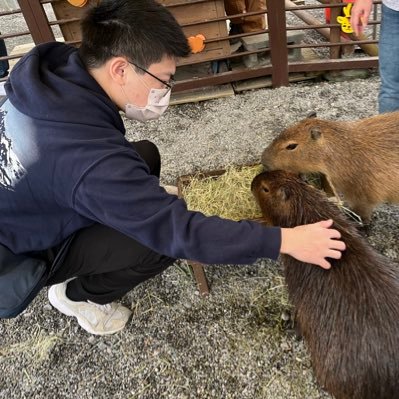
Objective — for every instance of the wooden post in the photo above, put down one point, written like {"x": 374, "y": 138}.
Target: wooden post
{"x": 200, "y": 277}
{"x": 335, "y": 33}
{"x": 37, "y": 21}
{"x": 278, "y": 42}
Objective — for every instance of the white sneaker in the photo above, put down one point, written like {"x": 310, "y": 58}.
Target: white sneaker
{"x": 171, "y": 189}
{"x": 94, "y": 318}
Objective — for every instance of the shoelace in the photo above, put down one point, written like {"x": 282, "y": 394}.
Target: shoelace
{"x": 105, "y": 308}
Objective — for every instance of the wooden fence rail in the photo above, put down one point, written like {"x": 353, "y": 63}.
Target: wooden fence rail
{"x": 217, "y": 51}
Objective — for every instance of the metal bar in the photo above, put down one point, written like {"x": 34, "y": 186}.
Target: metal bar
{"x": 72, "y": 42}
{"x": 278, "y": 42}
{"x": 12, "y": 57}
{"x": 11, "y": 12}
{"x": 369, "y": 49}
{"x": 327, "y": 2}
{"x": 8, "y": 36}
{"x": 63, "y": 21}
{"x": 238, "y": 36}
{"x": 308, "y": 19}
{"x": 315, "y": 7}
{"x": 222, "y": 78}
{"x": 224, "y": 18}
{"x": 36, "y": 21}
{"x": 318, "y": 26}
{"x": 357, "y": 42}
{"x": 181, "y": 3}
{"x": 200, "y": 277}
{"x": 300, "y": 66}
{"x": 336, "y": 64}
{"x": 335, "y": 33}
{"x": 277, "y": 29}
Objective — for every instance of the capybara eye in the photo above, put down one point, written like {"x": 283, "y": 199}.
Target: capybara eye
{"x": 265, "y": 190}
{"x": 291, "y": 146}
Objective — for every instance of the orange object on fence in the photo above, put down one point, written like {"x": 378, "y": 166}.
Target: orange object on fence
{"x": 196, "y": 43}
{"x": 78, "y": 3}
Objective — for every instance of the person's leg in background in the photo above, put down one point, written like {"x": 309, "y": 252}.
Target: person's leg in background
{"x": 233, "y": 7}
{"x": 104, "y": 265}
{"x": 4, "y": 65}
{"x": 389, "y": 60}
{"x": 247, "y": 24}
{"x": 257, "y": 22}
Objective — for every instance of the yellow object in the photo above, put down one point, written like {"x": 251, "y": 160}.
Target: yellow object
{"x": 196, "y": 43}
{"x": 78, "y": 3}
{"x": 345, "y": 21}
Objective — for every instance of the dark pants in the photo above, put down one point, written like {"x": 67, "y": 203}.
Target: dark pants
{"x": 4, "y": 65}
{"x": 106, "y": 263}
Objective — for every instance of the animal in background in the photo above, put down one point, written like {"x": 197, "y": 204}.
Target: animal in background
{"x": 359, "y": 159}
{"x": 348, "y": 315}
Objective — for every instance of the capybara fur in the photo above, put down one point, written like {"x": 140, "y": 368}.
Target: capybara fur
{"x": 360, "y": 159}
{"x": 348, "y": 315}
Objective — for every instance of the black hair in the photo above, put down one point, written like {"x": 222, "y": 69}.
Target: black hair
{"x": 143, "y": 31}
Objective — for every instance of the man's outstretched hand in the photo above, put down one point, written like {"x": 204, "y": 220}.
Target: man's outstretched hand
{"x": 312, "y": 243}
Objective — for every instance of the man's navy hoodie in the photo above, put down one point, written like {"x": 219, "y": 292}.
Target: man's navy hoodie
{"x": 65, "y": 164}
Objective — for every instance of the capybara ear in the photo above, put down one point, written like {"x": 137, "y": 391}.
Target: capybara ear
{"x": 284, "y": 193}
{"x": 312, "y": 114}
{"x": 315, "y": 133}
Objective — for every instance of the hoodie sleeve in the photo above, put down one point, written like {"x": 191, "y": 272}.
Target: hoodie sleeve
{"x": 119, "y": 192}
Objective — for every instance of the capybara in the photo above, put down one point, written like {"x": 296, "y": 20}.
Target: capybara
{"x": 348, "y": 315}
{"x": 360, "y": 159}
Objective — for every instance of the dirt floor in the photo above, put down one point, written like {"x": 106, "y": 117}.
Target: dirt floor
{"x": 234, "y": 344}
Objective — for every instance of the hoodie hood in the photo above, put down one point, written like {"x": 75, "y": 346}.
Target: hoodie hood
{"x": 51, "y": 75}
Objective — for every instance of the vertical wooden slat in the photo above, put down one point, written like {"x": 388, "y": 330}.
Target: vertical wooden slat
{"x": 37, "y": 21}
{"x": 335, "y": 33}
{"x": 200, "y": 277}
{"x": 278, "y": 42}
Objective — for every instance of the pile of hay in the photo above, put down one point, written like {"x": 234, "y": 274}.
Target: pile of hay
{"x": 228, "y": 195}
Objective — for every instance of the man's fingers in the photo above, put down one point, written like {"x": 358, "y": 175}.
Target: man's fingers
{"x": 325, "y": 264}
{"x": 334, "y": 233}
{"x": 334, "y": 254}
{"x": 325, "y": 223}
{"x": 338, "y": 245}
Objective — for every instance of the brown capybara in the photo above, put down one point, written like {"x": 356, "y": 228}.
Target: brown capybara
{"x": 360, "y": 159}
{"x": 348, "y": 315}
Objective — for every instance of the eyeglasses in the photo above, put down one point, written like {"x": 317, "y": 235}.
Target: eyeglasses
{"x": 169, "y": 84}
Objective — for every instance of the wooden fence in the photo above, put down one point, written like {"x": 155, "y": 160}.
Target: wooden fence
{"x": 44, "y": 17}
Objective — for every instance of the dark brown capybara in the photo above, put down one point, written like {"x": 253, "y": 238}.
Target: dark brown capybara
{"x": 360, "y": 159}
{"x": 348, "y": 315}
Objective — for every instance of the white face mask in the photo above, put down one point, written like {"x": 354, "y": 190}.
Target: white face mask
{"x": 157, "y": 103}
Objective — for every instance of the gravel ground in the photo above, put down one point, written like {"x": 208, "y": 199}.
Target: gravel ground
{"x": 234, "y": 343}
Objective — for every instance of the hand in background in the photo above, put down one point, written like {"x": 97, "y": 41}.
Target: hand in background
{"x": 360, "y": 15}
